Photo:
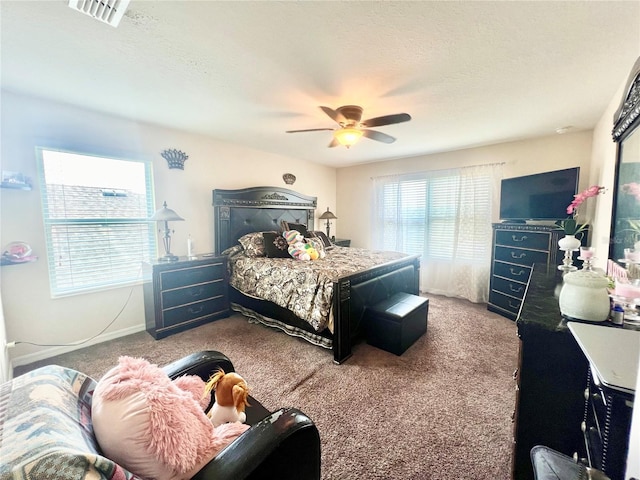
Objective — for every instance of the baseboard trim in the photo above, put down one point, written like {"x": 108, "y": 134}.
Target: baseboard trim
{"x": 54, "y": 351}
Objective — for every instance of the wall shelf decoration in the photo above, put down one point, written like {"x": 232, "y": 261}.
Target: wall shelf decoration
{"x": 16, "y": 253}
{"x": 15, "y": 180}
{"x": 175, "y": 158}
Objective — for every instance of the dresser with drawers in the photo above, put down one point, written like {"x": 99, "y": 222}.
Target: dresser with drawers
{"x": 516, "y": 248}
{"x": 549, "y": 376}
{"x": 184, "y": 294}
{"x": 609, "y": 395}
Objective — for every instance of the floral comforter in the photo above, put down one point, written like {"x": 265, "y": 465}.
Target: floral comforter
{"x": 305, "y": 288}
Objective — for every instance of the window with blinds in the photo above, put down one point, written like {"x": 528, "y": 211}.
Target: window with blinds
{"x": 438, "y": 215}
{"x": 95, "y": 212}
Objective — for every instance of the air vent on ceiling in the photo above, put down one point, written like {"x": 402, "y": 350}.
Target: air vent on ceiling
{"x": 107, "y": 11}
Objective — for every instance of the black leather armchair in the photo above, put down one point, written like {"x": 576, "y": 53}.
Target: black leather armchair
{"x": 284, "y": 444}
{"x": 46, "y": 420}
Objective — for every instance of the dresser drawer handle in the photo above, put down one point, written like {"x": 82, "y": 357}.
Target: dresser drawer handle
{"x": 196, "y": 293}
{"x": 522, "y": 255}
{"x": 517, "y": 305}
{"x": 195, "y": 311}
{"x": 516, "y": 274}
{"x": 515, "y": 290}
{"x": 516, "y": 239}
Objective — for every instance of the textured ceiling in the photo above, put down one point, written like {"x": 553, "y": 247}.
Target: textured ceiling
{"x": 469, "y": 73}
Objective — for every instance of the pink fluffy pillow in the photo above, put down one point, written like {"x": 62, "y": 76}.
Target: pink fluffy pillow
{"x": 154, "y": 427}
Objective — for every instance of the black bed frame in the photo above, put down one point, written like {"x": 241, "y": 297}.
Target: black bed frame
{"x": 238, "y": 212}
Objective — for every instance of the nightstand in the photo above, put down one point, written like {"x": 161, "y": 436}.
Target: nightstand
{"x": 342, "y": 242}
{"x": 184, "y": 294}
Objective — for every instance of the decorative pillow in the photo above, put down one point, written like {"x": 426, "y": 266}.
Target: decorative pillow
{"x": 275, "y": 245}
{"x": 46, "y": 428}
{"x": 154, "y": 427}
{"x": 231, "y": 251}
{"x": 253, "y": 244}
{"x": 302, "y": 228}
{"x": 323, "y": 237}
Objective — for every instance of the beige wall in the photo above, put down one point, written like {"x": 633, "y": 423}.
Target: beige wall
{"x": 6, "y": 372}
{"x": 520, "y": 158}
{"x": 30, "y": 314}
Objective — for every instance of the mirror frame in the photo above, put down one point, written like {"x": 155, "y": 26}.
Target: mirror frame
{"x": 626, "y": 120}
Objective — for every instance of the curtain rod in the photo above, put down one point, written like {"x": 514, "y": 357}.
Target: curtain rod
{"x": 439, "y": 170}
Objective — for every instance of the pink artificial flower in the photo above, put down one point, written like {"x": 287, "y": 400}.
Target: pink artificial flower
{"x": 578, "y": 199}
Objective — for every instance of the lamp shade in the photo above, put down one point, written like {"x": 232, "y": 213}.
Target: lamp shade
{"x": 328, "y": 215}
{"x": 165, "y": 215}
{"x": 347, "y": 136}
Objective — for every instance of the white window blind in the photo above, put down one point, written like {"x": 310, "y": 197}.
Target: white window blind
{"x": 439, "y": 215}
{"x": 95, "y": 212}
{"x": 445, "y": 217}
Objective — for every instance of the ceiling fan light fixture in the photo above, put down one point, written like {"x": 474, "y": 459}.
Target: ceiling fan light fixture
{"x": 347, "y": 136}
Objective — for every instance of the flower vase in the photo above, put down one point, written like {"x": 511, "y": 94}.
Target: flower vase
{"x": 569, "y": 243}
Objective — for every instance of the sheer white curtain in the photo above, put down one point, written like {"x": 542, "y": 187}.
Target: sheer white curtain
{"x": 445, "y": 216}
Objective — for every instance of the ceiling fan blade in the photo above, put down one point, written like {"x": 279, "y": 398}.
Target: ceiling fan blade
{"x": 387, "y": 120}
{"x": 333, "y": 114}
{"x": 309, "y": 130}
{"x": 334, "y": 142}
{"x": 378, "y": 136}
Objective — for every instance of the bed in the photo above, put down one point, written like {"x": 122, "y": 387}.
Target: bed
{"x": 263, "y": 209}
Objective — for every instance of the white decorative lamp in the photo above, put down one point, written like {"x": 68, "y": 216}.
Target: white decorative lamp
{"x": 328, "y": 216}
{"x": 166, "y": 215}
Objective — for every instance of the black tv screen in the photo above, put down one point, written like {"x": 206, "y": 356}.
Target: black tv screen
{"x": 542, "y": 196}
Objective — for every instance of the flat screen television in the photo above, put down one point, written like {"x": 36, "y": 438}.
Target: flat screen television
{"x": 542, "y": 196}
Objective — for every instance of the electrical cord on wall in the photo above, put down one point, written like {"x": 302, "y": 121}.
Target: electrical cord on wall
{"x": 81, "y": 342}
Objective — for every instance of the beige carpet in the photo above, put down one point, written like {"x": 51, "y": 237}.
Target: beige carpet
{"x": 440, "y": 411}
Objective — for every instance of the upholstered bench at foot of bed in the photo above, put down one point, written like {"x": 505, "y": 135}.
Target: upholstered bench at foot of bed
{"x": 396, "y": 323}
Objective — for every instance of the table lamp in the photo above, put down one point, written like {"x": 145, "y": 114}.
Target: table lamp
{"x": 166, "y": 215}
{"x": 328, "y": 216}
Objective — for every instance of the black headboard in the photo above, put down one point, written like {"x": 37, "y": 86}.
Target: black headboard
{"x": 255, "y": 209}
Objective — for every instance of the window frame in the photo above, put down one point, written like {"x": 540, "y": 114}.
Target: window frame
{"x": 147, "y": 229}
{"x": 429, "y": 180}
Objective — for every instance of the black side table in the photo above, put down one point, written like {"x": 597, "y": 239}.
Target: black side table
{"x": 342, "y": 242}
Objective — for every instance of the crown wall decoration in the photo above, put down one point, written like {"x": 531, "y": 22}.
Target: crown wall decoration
{"x": 175, "y": 158}
{"x": 289, "y": 178}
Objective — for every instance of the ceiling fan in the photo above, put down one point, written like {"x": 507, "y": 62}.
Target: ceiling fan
{"x": 352, "y": 127}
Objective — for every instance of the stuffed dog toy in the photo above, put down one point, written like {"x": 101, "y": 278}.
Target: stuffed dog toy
{"x": 231, "y": 392}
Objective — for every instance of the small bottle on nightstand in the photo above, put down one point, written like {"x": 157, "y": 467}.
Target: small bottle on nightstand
{"x": 190, "y": 247}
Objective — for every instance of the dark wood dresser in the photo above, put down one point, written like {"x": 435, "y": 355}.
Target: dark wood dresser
{"x": 609, "y": 395}
{"x": 550, "y": 376}
{"x": 564, "y": 398}
{"x": 516, "y": 247}
{"x": 183, "y": 294}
